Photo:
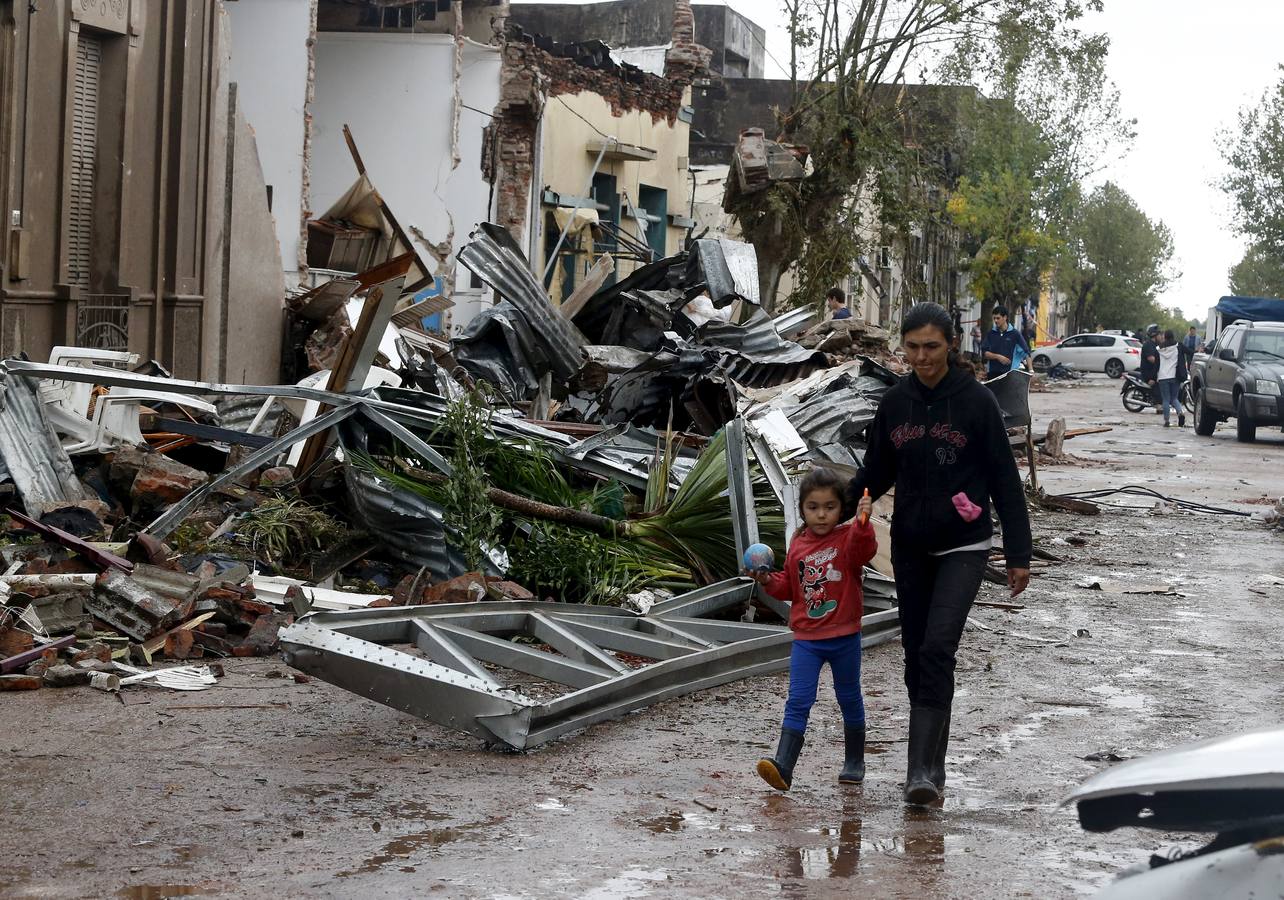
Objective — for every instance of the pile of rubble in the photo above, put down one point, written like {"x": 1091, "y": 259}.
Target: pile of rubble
{"x": 621, "y": 448}
{"x": 845, "y": 339}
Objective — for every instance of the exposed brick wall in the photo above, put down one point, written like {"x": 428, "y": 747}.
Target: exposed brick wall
{"x": 509, "y": 142}
{"x": 686, "y": 60}
{"x": 531, "y": 74}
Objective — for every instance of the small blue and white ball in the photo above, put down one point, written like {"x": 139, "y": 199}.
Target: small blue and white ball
{"x": 759, "y": 558}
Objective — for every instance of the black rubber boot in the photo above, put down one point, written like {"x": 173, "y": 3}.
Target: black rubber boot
{"x": 924, "y": 736}
{"x": 778, "y": 771}
{"x": 938, "y": 761}
{"x": 854, "y": 760}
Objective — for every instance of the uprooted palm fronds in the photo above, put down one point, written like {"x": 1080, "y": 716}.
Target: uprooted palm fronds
{"x": 571, "y": 534}
{"x": 695, "y": 530}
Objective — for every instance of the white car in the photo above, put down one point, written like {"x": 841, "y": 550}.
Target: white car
{"x": 1113, "y": 354}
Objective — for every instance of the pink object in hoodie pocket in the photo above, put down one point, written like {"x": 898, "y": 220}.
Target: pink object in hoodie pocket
{"x": 966, "y": 508}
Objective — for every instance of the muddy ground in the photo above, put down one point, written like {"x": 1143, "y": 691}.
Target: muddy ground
{"x": 263, "y": 787}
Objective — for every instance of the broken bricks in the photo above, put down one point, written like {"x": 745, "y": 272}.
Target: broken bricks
{"x": 131, "y": 609}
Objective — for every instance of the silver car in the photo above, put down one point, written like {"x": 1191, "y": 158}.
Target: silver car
{"x": 1113, "y": 354}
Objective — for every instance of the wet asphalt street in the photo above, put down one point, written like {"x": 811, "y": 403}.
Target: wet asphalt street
{"x": 263, "y": 787}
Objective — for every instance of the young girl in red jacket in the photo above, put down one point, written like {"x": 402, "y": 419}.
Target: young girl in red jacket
{"x": 821, "y": 582}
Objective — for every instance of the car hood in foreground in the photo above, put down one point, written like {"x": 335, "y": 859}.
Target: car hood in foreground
{"x": 1211, "y": 786}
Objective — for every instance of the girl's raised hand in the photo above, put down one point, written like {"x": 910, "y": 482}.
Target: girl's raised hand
{"x": 761, "y": 577}
{"x": 864, "y": 508}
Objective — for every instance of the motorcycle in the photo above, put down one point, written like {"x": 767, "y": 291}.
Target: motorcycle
{"x": 1137, "y": 394}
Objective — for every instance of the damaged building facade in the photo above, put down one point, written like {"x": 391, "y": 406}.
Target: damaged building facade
{"x": 414, "y": 84}
{"x": 136, "y": 214}
{"x": 896, "y": 270}
{"x": 589, "y": 155}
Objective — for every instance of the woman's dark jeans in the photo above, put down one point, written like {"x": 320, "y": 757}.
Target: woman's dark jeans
{"x": 935, "y": 594}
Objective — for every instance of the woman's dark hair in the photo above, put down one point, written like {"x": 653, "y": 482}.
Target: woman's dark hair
{"x": 1169, "y": 337}
{"x": 822, "y": 479}
{"x": 922, "y": 315}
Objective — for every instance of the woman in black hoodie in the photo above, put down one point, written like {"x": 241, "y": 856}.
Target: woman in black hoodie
{"x": 939, "y": 438}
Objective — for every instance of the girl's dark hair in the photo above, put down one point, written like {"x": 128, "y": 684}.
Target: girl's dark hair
{"x": 1169, "y": 337}
{"x": 922, "y": 315}
{"x": 822, "y": 479}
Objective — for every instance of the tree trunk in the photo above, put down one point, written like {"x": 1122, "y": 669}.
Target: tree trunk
{"x": 534, "y": 508}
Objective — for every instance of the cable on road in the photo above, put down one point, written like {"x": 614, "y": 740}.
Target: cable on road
{"x": 1135, "y": 490}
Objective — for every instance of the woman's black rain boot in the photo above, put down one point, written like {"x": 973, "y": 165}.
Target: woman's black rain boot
{"x": 924, "y": 736}
{"x": 778, "y": 771}
{"x": 854, "y": 759}
{"x": 938, "y": 761}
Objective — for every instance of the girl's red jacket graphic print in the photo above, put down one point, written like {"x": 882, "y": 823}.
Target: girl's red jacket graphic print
{"x": 821, "y": 581}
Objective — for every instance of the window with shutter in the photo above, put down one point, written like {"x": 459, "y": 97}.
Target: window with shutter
{"x": 84, "y": 155}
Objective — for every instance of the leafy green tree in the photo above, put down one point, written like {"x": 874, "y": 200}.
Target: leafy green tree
{"x": 1254, "y": 154}
{"x": 1259, "y": 274}
{"x": 1009, "y": 249}
{"x": 1117, "y": 262}
{"x": 1054, "y": 117}
{"x": 850, "y": 61}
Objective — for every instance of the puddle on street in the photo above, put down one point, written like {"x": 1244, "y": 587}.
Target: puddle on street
{"x": 399, "y": 849}
{"x": 161, "y": 891}
{"x": 550, "y": 803}
{"x": 633, "y": 883}
{"x": 1117, "y": 698}
{"x": 674, "y": 822}
{"x": 1034, "y": 722}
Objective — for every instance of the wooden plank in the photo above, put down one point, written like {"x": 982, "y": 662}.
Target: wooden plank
{"x": 997, "y": 605}
{"x": 1076, "y": 432}
{"x": 592, "y": 283}
{"x": 1067, "y": 504}
{"x": 29, "y": 656}
{"x": 155, "y": 644}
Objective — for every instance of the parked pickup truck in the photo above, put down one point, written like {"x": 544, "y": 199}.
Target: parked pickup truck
{"x": 1241, "y": 377}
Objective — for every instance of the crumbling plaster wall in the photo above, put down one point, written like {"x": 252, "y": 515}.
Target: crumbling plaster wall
{"x": 535, "y": 81}
{"x": 270, "y": 64}
{"x": 395, "y": 92}
{"x": 572, "y": 122}
{"x": 242, "y": 320}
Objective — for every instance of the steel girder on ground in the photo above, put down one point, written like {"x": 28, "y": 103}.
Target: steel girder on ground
{"x": 460, "y": 665}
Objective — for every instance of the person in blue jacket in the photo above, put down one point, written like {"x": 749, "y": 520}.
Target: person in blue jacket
{"x": 836, "y": 300}
{"x": 1002, "y": 345}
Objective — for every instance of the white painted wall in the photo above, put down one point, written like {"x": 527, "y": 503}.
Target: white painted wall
{"x": 270, "y": 66}
{"x": 395, "y": 92}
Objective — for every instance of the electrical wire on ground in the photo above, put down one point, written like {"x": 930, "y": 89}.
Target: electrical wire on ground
{"x": 1139, "y": 491}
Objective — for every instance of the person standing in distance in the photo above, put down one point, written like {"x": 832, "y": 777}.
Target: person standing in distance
{"x": 939, "y": 438}
{"x": 836, "y": 300}
{"x": 1002, "y": 345}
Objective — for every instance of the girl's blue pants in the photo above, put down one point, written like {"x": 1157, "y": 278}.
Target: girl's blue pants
{"x": 805, "y": 661}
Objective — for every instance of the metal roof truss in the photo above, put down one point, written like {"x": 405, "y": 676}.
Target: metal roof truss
{"x": 461, "y": 665}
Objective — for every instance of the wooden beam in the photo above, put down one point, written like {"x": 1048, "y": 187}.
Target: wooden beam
{"x": 591, "y": 284}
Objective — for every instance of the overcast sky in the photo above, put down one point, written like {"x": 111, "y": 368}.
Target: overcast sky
{"x": 1183, "y": 68}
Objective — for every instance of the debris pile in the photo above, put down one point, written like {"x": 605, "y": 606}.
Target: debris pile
{"x": 614, "y": 454}
{"x": 845, "y": 339}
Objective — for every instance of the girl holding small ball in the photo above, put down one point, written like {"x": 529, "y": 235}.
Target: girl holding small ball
{"x": 821, "y": 581}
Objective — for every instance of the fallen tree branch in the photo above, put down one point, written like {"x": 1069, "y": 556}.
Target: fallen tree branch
{"x": 527, "y": 507}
